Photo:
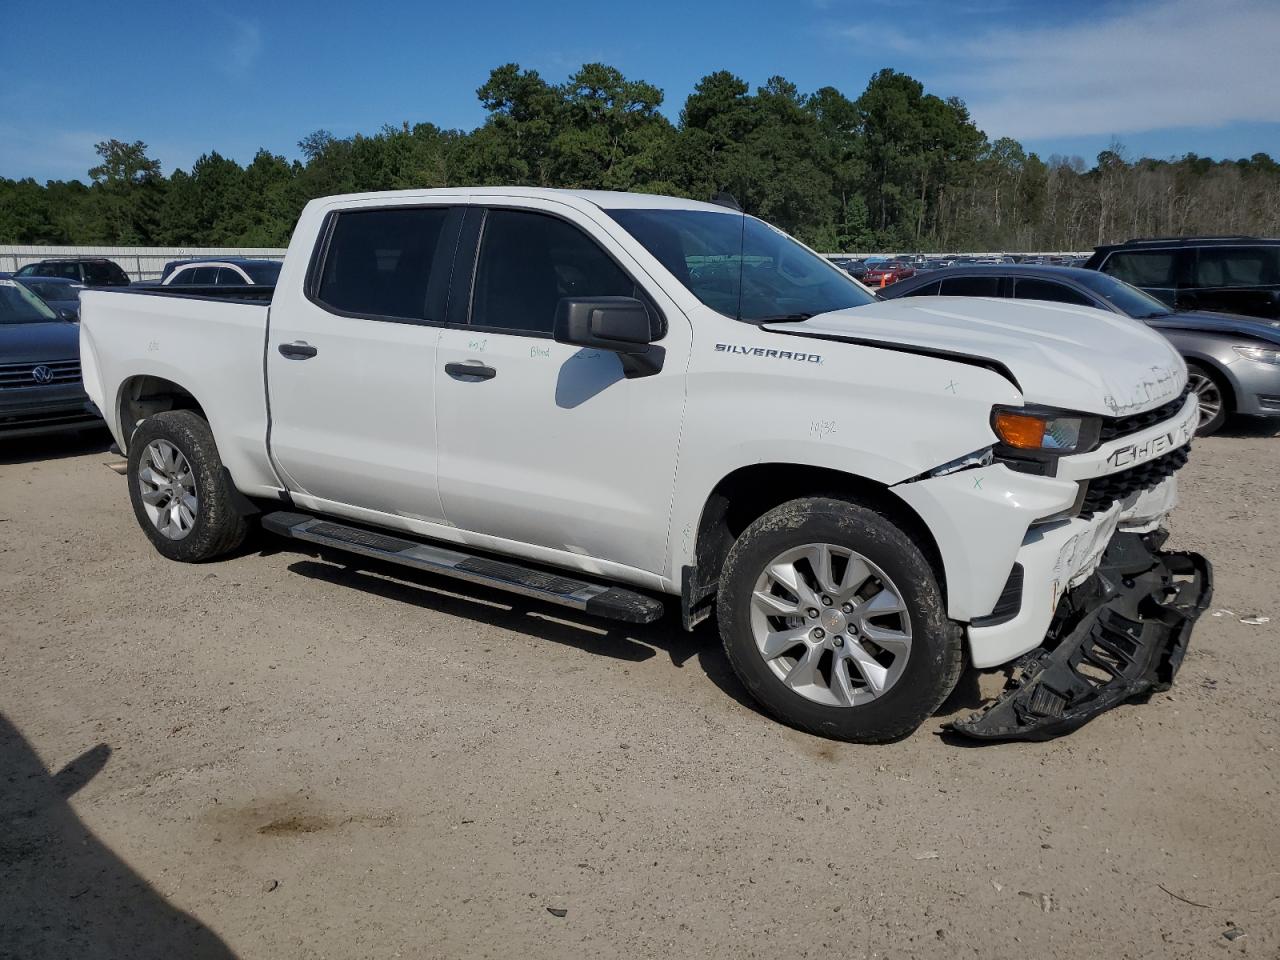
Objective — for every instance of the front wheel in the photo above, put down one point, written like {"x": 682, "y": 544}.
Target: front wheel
{"x": 180, "y": 493}
{"x": 833, "y": 619}
{"x": 1211, "y": 394}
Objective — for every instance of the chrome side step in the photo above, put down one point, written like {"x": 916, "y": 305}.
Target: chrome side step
{"x": 614, "y": 603}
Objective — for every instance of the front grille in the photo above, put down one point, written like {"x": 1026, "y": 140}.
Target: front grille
{"x": 14, "y": 375}
{"x": 1115, "y": 427}
{"x": 1102, "y": 492}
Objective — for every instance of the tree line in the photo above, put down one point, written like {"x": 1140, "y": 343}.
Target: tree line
{"x": 894, "y": 169}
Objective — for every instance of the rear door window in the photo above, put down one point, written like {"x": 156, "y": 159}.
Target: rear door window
{"x": 926, "y": 290}
{"x": 971, "y": 286}
{"x": 1236, "y": 267}
{"x": 1033, "y": 288}
{"x": 381, "y": 263}
{"x": 204, "y": 276}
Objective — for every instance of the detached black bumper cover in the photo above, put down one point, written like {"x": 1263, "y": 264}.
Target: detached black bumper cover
{"x": 1118, "y": 637}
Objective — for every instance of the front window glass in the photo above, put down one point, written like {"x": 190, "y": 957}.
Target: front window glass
{"x": 740, "y": 266}
{"x": 19, "y": 305}
{"x": 1033, "y": 288}
{"x": 1129, "y": 299}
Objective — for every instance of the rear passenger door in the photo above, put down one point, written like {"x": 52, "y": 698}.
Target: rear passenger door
{"x": 351, "y": 364}
{"x": 1235, "y": 280}
{"x": 546, "y": 446}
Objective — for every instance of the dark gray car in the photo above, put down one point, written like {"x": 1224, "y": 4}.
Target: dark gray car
{"x": 40, "y": 388}
{"x": 1233, "y": 361}
{"x": 62, "y": 295}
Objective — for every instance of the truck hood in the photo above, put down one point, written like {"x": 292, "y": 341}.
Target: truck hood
{"x": 52, "y": 340}
{"x": 1206, "y": 322}
{"x": 1059, "y": 355}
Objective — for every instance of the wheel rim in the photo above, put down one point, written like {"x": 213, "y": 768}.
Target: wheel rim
{"x": 831, "y": 625}
{"x": 168, "y": 489}
{"x": 1208, "y": 395}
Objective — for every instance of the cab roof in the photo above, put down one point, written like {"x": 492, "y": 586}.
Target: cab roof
{"x": 603, "y": 199}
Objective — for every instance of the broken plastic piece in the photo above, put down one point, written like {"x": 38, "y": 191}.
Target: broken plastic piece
{"x": 1118, "y": 637}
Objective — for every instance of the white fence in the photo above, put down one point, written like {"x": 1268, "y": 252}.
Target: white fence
{"x": 140, "y": 263}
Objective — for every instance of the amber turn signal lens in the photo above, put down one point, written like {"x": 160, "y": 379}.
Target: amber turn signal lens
{"x": 1019, "y": 430}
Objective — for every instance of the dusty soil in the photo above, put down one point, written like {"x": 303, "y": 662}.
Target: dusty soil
{"x": 283, "y": 755}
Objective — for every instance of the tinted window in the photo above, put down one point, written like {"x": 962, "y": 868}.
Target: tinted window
{"x": 971, "y": 287}
{"x": 266, "y": 272}
{"x": 528, "y": 261}
{"x": 379, "y": 261}
{"x": 927, "y": 290}
{"x": 183, "y": 277}
{"x": 1030, "y": 288}
{"x": 30, "y": 270}
{"x": 1142, "y": 268}
{"x": 204, "y": 276}
{"x": 229, "y": 276}
{"x": 741, "y": 266}
{"x": 1237, "y": 266}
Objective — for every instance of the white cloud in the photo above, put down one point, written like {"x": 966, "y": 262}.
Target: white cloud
{"x": 242, "y": 51}
{"x": 1154, "y": 65}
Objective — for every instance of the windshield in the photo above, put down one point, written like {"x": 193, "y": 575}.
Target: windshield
{"x": 740, "y": 266}
{"x": 1127, "y": 299}
{"x": 19, "y": 305}
{"x": 51, "y": 290}
{"x": 268, "y": 271}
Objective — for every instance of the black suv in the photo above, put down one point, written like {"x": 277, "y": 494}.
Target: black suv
{"x": 1231, "y": 274}
{"x": 91, "y": 271}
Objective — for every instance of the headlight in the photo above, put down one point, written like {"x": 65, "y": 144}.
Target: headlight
{"x": 1261, "y": 354}
{"x": 1045, "y": 431}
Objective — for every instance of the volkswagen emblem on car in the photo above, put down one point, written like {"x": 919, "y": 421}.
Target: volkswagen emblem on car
{"x": 42, "y": 374}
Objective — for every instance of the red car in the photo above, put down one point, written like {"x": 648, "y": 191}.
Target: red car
{"x": 886, "y": 272}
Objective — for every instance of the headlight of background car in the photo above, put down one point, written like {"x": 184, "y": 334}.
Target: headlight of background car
{"x": 1261, "y": 354}
{"x": 1045, "y": 431}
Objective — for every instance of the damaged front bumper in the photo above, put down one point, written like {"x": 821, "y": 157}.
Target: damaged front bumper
{"x": 1118, "y": 636}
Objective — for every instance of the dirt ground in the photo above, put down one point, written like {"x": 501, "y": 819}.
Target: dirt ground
{"x": 285, "y": 755}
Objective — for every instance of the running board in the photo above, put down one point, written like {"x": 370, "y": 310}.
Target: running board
{"x": 614, "y": 603}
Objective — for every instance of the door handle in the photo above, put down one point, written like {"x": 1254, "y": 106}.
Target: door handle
{"x": 298, "y": 350}
{"x": 470, "y": 371}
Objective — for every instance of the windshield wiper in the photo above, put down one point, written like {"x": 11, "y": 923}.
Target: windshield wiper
{"x": 783, "y": 318}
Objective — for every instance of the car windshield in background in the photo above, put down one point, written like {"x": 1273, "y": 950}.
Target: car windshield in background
{"x": 52, "y": 290}
{"x": 19, "y": 305}
{"x": 1126, "y": 298}
{"x": 267, "y": 272}
{"x": 741, "y": 267}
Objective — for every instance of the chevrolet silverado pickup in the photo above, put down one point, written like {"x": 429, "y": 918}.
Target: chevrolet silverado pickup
{"x": 601, "y": 400}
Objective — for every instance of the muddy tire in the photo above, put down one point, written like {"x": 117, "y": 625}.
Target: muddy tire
{"x": 834, "y": 621}
{"x": 180, "y": 493}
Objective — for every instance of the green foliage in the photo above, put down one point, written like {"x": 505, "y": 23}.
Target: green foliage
{"x": 896, "y": 168}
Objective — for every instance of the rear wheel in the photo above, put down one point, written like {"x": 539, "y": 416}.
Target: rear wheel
{"x": 1211, "y": 393}
{"x": 179, "y": 490}
{"x": 834, "y": 621}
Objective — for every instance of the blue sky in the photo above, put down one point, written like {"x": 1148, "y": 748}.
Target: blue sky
{"x": 1163, "y": 76}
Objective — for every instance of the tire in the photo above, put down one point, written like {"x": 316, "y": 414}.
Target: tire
{"x": 896, "y": 567}
{"x": 215, "y": 526}
{"x": 1208, "y": 384}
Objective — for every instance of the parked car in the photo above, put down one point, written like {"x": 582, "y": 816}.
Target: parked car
{"x": 229, "y": 271}
{"x": 90, "y": 271}
{"x": 40, "y": 388}
{"x": 853, "y": 266}
{"x": 885, "y": 272}
{"x": 1233, "y": 362}
{"x": 1233, "y": 274}
{"x": 866, "y": 499}
{"x": 60, "y": 294}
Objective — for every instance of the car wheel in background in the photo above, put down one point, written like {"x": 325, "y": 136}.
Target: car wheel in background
{"x": 1212, "y": 393}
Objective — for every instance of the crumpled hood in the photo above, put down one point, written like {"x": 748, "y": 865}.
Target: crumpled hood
{"x": 52, "y": 340}
{"x": 1251, "y": 327}
{"x": 1076, "y": 358}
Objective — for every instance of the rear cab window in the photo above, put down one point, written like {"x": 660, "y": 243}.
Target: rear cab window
{"x": 385, "y": 264}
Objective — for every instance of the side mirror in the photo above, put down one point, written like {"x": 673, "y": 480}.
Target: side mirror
{"x": 621, "y": 325}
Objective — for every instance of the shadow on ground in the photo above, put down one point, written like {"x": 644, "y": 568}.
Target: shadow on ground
{"x": 56, "y": 446}
{"x": 64, "y": 892}
{"x": 1241, "y": 426}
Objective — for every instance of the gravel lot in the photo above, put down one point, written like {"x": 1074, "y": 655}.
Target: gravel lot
{"x": 285, "y": 755}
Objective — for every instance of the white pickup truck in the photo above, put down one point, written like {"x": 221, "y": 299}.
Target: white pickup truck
{"x": 597, "y": 399}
